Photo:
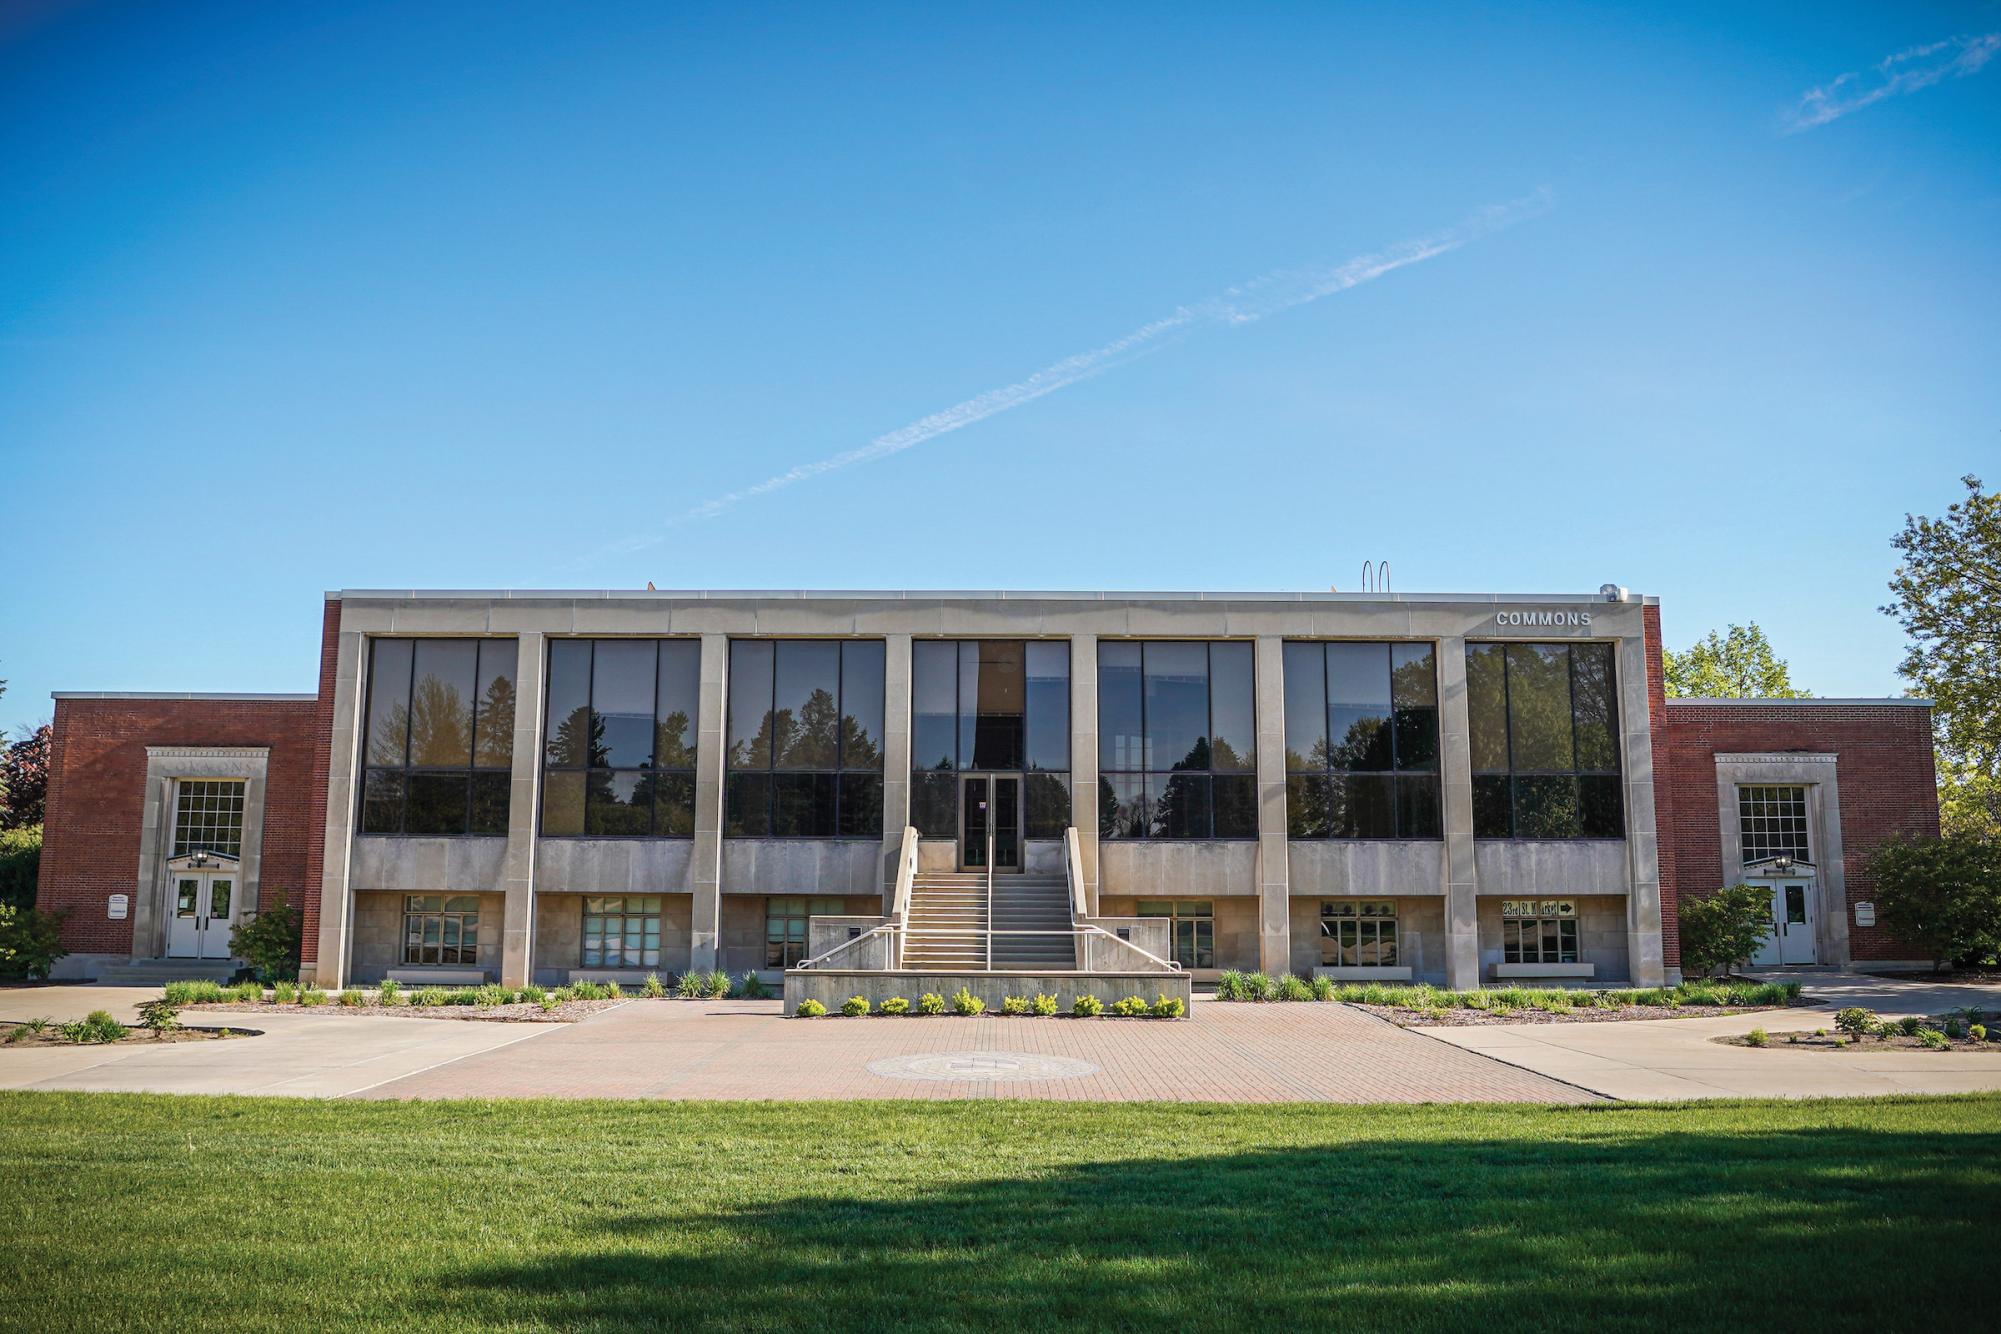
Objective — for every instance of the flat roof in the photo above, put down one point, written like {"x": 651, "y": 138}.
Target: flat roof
{"x": 960, "y": 595}
{"x": 174, "y": 694}
{"x": 1815, "y": 701}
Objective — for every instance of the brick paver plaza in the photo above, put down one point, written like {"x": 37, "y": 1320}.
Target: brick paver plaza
{"x": 749, "y": 1049}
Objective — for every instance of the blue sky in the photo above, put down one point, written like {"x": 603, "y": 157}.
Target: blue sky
{"x": 298, "y": 297}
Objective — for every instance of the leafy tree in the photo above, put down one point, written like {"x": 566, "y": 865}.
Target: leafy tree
{"x": 30, "y": 941}
{"x": 1738, "y": 664}
{"x": 1940, "y": 895}
{"x": 1724, "y": 928}
{"x": 20, "y": 865}
{"x": 1948, "y": 599}
{"x": 24, "y": 779}
{"x": 270, "y": 941}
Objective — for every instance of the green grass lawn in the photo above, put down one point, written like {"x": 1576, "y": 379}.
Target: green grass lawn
{"x": 132, "y": 1211}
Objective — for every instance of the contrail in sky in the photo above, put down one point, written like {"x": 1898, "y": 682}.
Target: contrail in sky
{"x": 1905, "y": 72}
{"x": 1246, "y": 303}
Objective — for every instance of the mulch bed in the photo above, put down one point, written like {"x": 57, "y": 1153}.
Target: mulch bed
{"x": 525, "y": 1012}
{"x": 52, "y": 1037}
{"x": 1462, "y": 1017}
{"x": 1896, "y": 1042}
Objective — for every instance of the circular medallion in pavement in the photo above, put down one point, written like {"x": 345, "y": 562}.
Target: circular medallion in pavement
{"x": 981, "y": 1067}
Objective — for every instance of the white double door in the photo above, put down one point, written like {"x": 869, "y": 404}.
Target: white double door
{"x": 204, "y": 912}
{"x": 1792, "y": 935}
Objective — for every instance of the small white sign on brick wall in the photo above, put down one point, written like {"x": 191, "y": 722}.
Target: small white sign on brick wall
{"x": 1865, "y": 914}
{"x": 118, "y": 906}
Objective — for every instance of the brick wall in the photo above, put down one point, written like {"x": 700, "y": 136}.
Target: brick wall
{"x": 316, "y": 798}
{"x": 1883, "y": 766}
{"x": 97, "y": 793}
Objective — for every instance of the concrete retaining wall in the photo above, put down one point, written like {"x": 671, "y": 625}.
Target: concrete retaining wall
{"x": 830, "y": 987}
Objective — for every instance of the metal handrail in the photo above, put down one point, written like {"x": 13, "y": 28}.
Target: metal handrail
{"x": 1088, "y": 932}
{"x": 990, "y": 884}
{"x": 889, "y": 928}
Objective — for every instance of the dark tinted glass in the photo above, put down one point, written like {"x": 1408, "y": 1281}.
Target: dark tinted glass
{"x": 1046, "y": 809}
{"x": 489, "y": 801}
{"x": 1358, "y": 706}
{"x": 1364, "y": 807}
{"x": 1491, "y": 806}
{"x": 747, "y": 805}
{"x": 805, "y": 725}
{"x": 563, "y": 802}
{"x": 802, "y": 805}
{"x": 614, "y": 804}
{"x": 1595, "y": 705}
{"x": 1123, "y": 811}
{"x": 674, "y": 804}
{"x": 934, "y": 705}
{"x": 1414, "y": 701}
{"x": 1418, "y": 813}
{"x": 861, "y": 705}
{"x": 1602, "y": 813}
{"x": 441, "y": 703}
{"x": 437, "y": 803}
{"x": 1233, "y": 688}
{"x": 493, "y": 723}
{"x": 934, "y": 804}
{"x": 1177, "y": 705}
{"x": 1180, "y": 805}
{"x": 1000, "y": 697}
{"x": 1049, "y": 706}
{"x": 624, "y": 673}
{"x": 678, "y": 704}
{"x": 861, "y": 806}
{"x": 568, "y": 718}
{"x": 389, "y": 702}
{"x": 750, "y": 704}
{"x": 1539, "y": 707}
{"x": 1546, "y": 807}
{"x": 1234, "y": 798}
{"x": 382, "y": 801}
{"x": 1305, "y": 706}
{"x": 1120, "y": 745}
{"x": 1487, "y": 707}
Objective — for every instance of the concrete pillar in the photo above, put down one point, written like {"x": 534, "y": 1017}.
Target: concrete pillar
{"x": 895, "y": 757}
{"x": 524, "y": 815}
{"x": 1646, "y": 961}
{"x": 1274, "y": 869}
{"x": 705, "y": 870}
{"x": 1462, "y": 881}
{"x": 1084, "y": 758}
{"x": 332, "y": 967}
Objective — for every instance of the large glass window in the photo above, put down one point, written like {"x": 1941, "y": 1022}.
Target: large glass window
{"x": 1358, "y": 933}
{"x": 989, "y": 705}
{"x": 1544, "y": 724}
{"x": 1538, "y": 931}
{"x": 439, "y": 748}
{"x": 1191, "y": 928}
{"x": 1772, "y": 821}
{"x": 1361, "y": 741}
{"x": 619, "y": 758}
{"x": 1177, "y": 740}
{"x": 805, "y": 739}
{"x": 208, "y": 816}
{"x": 441, "y": 929}
{"x": 785, "y": 926}
{"x": 622, "y": 931}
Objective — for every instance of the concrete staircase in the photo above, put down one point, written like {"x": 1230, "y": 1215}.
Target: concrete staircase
{"x": 159, "y": 972}
{"x": 955, "y": 904}
{"x": 1033, "y": 903}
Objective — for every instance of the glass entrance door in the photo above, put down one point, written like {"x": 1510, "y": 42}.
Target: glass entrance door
{"x": 203, "y": 916}
{"x": 990, "y": 803}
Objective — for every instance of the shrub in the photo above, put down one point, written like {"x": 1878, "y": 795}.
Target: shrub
{"x": 591, "y": 991}
{"x": 461, "y": 996}
{"x": 966, "y": 1003}
{"x": 1955, "y": 1028}
{"x": 1130, "y": 1007}
{"x": 1841, "y": 1042}
{"x": 1290, "y": 988}
{"x": 1169, "y": 1007}
{"x": 1757, "y": 1037}
{"x": 352, "y": 997}
{"x": 1723, "y": 928}
{"x": 269, "y": 942}
{"x": 548, "y": 1001}
{"x": 1940, "y": 895}
{"x": 200, "y": 992}
{"x": 612, "y": 992}
{"x": 491, "y": 994}
{"x": 1910, "y": 1024}
{"x": 1323, "y": 988}
{"x": 1087, "y": 1006}
{"x": 1230, "y": 985}
{"x": 1015, "y": 1005}
{"x": 312, "y": 995}
{"x": 689, "y": 985}
{"x": 1043, "y": 1004}
{"x": 244, "y": 991}
{"x": 1260, "y": 987}
{"x": 716, "y": 985}
{"x": 1978, "y": 1032}
{"x": 533, "y": 992}
{"x": 430, "y": 996}
{"x": 1820, "y": 1032}
{"x": 1854, "y": 1021}
{"x": 30, "y": 941}
{"x": 752, "y": 987}
{"x": 810, "y": 1009}
{"x": 159, "y": 1015}
{"x": 388, "y": 993}
{"x": 854, "y": 1007}
{"x": 930, "y": 1003}
{"x": 284, "y": 993}
{"x": 97, "y": 1026}
{"x": 894, "y": 1005}
{"x": 653, "y": 988}
{"x": 27, "y": 1028}
{"x": 1933, "y": 1040}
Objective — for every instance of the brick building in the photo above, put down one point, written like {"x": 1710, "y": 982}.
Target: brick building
{"x": 1446, "y": 787}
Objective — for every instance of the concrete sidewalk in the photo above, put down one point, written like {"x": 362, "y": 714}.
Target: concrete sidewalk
{"x": 63, "y": 1003}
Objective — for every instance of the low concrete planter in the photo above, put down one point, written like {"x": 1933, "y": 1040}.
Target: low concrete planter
{"x": 832, "y": 986}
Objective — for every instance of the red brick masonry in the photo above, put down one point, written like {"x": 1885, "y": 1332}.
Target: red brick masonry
{"x": 1883, "y": 766}
{"x": 97, "y": 793}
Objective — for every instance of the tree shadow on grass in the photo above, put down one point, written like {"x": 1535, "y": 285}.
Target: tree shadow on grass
{"x": 1820, "y": 1228}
